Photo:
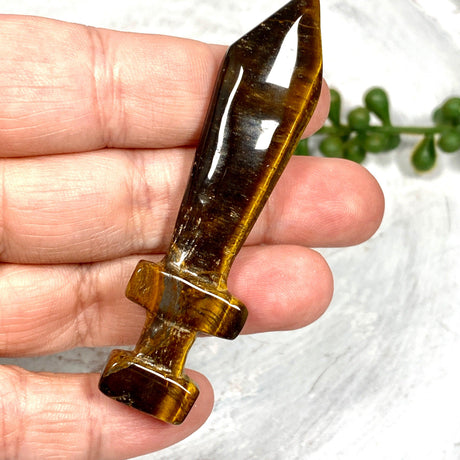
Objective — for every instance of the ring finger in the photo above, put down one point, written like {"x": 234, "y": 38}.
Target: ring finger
{"x": 84, "y": 305}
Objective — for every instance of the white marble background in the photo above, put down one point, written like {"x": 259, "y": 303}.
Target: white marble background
{"x": 378, "y": 376}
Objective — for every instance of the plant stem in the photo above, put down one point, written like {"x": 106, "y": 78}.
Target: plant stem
{"x": 344, "y": 130}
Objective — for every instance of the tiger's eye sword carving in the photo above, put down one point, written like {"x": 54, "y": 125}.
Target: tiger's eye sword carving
{"x": 265, "y": 94}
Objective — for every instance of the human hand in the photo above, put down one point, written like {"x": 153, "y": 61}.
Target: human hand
{"x": 96, "y": 140}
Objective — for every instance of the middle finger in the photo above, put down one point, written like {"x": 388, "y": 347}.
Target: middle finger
{"x": 102, "y": 205}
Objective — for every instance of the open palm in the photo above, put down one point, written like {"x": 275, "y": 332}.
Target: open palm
{"x": 97, "y": 135}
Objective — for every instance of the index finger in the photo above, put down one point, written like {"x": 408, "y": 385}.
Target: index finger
{"x": 70, "y": 88}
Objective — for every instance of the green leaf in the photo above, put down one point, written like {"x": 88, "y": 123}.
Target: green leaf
{"x": 332, "y": 146}
{"x": 449, "y": 141}
{"x": 376, "y": 142}
{"x": 424, "y": 155}
{"x": 439, "y": 118}
{"x": 393, "y": 141}
{"x": 302, "y": 148}
{"x": 376, "y": 101}
{"x": 451, "y": 110}
{"x": 359, "y": 119}
{"x": 354, "y": 150}
{"x": 335, "y": 107}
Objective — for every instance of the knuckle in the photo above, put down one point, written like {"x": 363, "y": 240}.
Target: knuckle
{"x": 3, "y": 208}
{"x": 141, "y": 199}
{"x": 87, "y": 298}
{"x": 11, "y": 412}
{"x": 153, "y": 199}
{"x": 107, "y": 98}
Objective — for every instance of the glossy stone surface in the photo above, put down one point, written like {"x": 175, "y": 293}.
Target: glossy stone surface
{"x": 265, "y": 94}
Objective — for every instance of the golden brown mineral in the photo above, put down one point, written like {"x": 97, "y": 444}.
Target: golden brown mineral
{"x": 265, "y": 94}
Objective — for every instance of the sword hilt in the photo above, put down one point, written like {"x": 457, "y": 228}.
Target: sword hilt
{"x": 266, "y": 92}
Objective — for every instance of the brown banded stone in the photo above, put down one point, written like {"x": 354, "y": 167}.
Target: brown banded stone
{"x": 265, "y": 94}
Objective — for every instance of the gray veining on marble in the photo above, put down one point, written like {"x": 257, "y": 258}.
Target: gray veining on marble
{"x": 378, "y": 376}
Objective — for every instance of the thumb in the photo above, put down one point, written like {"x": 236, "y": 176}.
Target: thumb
{"x": 52, "y": 415}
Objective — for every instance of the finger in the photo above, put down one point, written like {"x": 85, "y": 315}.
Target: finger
{"x": 283, "y": 287}
{"x": 108, "y": 204}
{"x": 65, "y": 416}
{"x": 321, "y": 112}
{"x": 69, "y": 88}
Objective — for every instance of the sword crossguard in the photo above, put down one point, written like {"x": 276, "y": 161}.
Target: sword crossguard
{"x": 150, "y": 378}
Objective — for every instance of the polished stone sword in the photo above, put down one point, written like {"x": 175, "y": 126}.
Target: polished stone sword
{"x": 266, "y": 92}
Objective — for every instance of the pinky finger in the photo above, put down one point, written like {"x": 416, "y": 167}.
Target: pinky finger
{"x": 64, "y": 415}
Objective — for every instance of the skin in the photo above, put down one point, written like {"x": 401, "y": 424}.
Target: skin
{"x": 97, "y": 135}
